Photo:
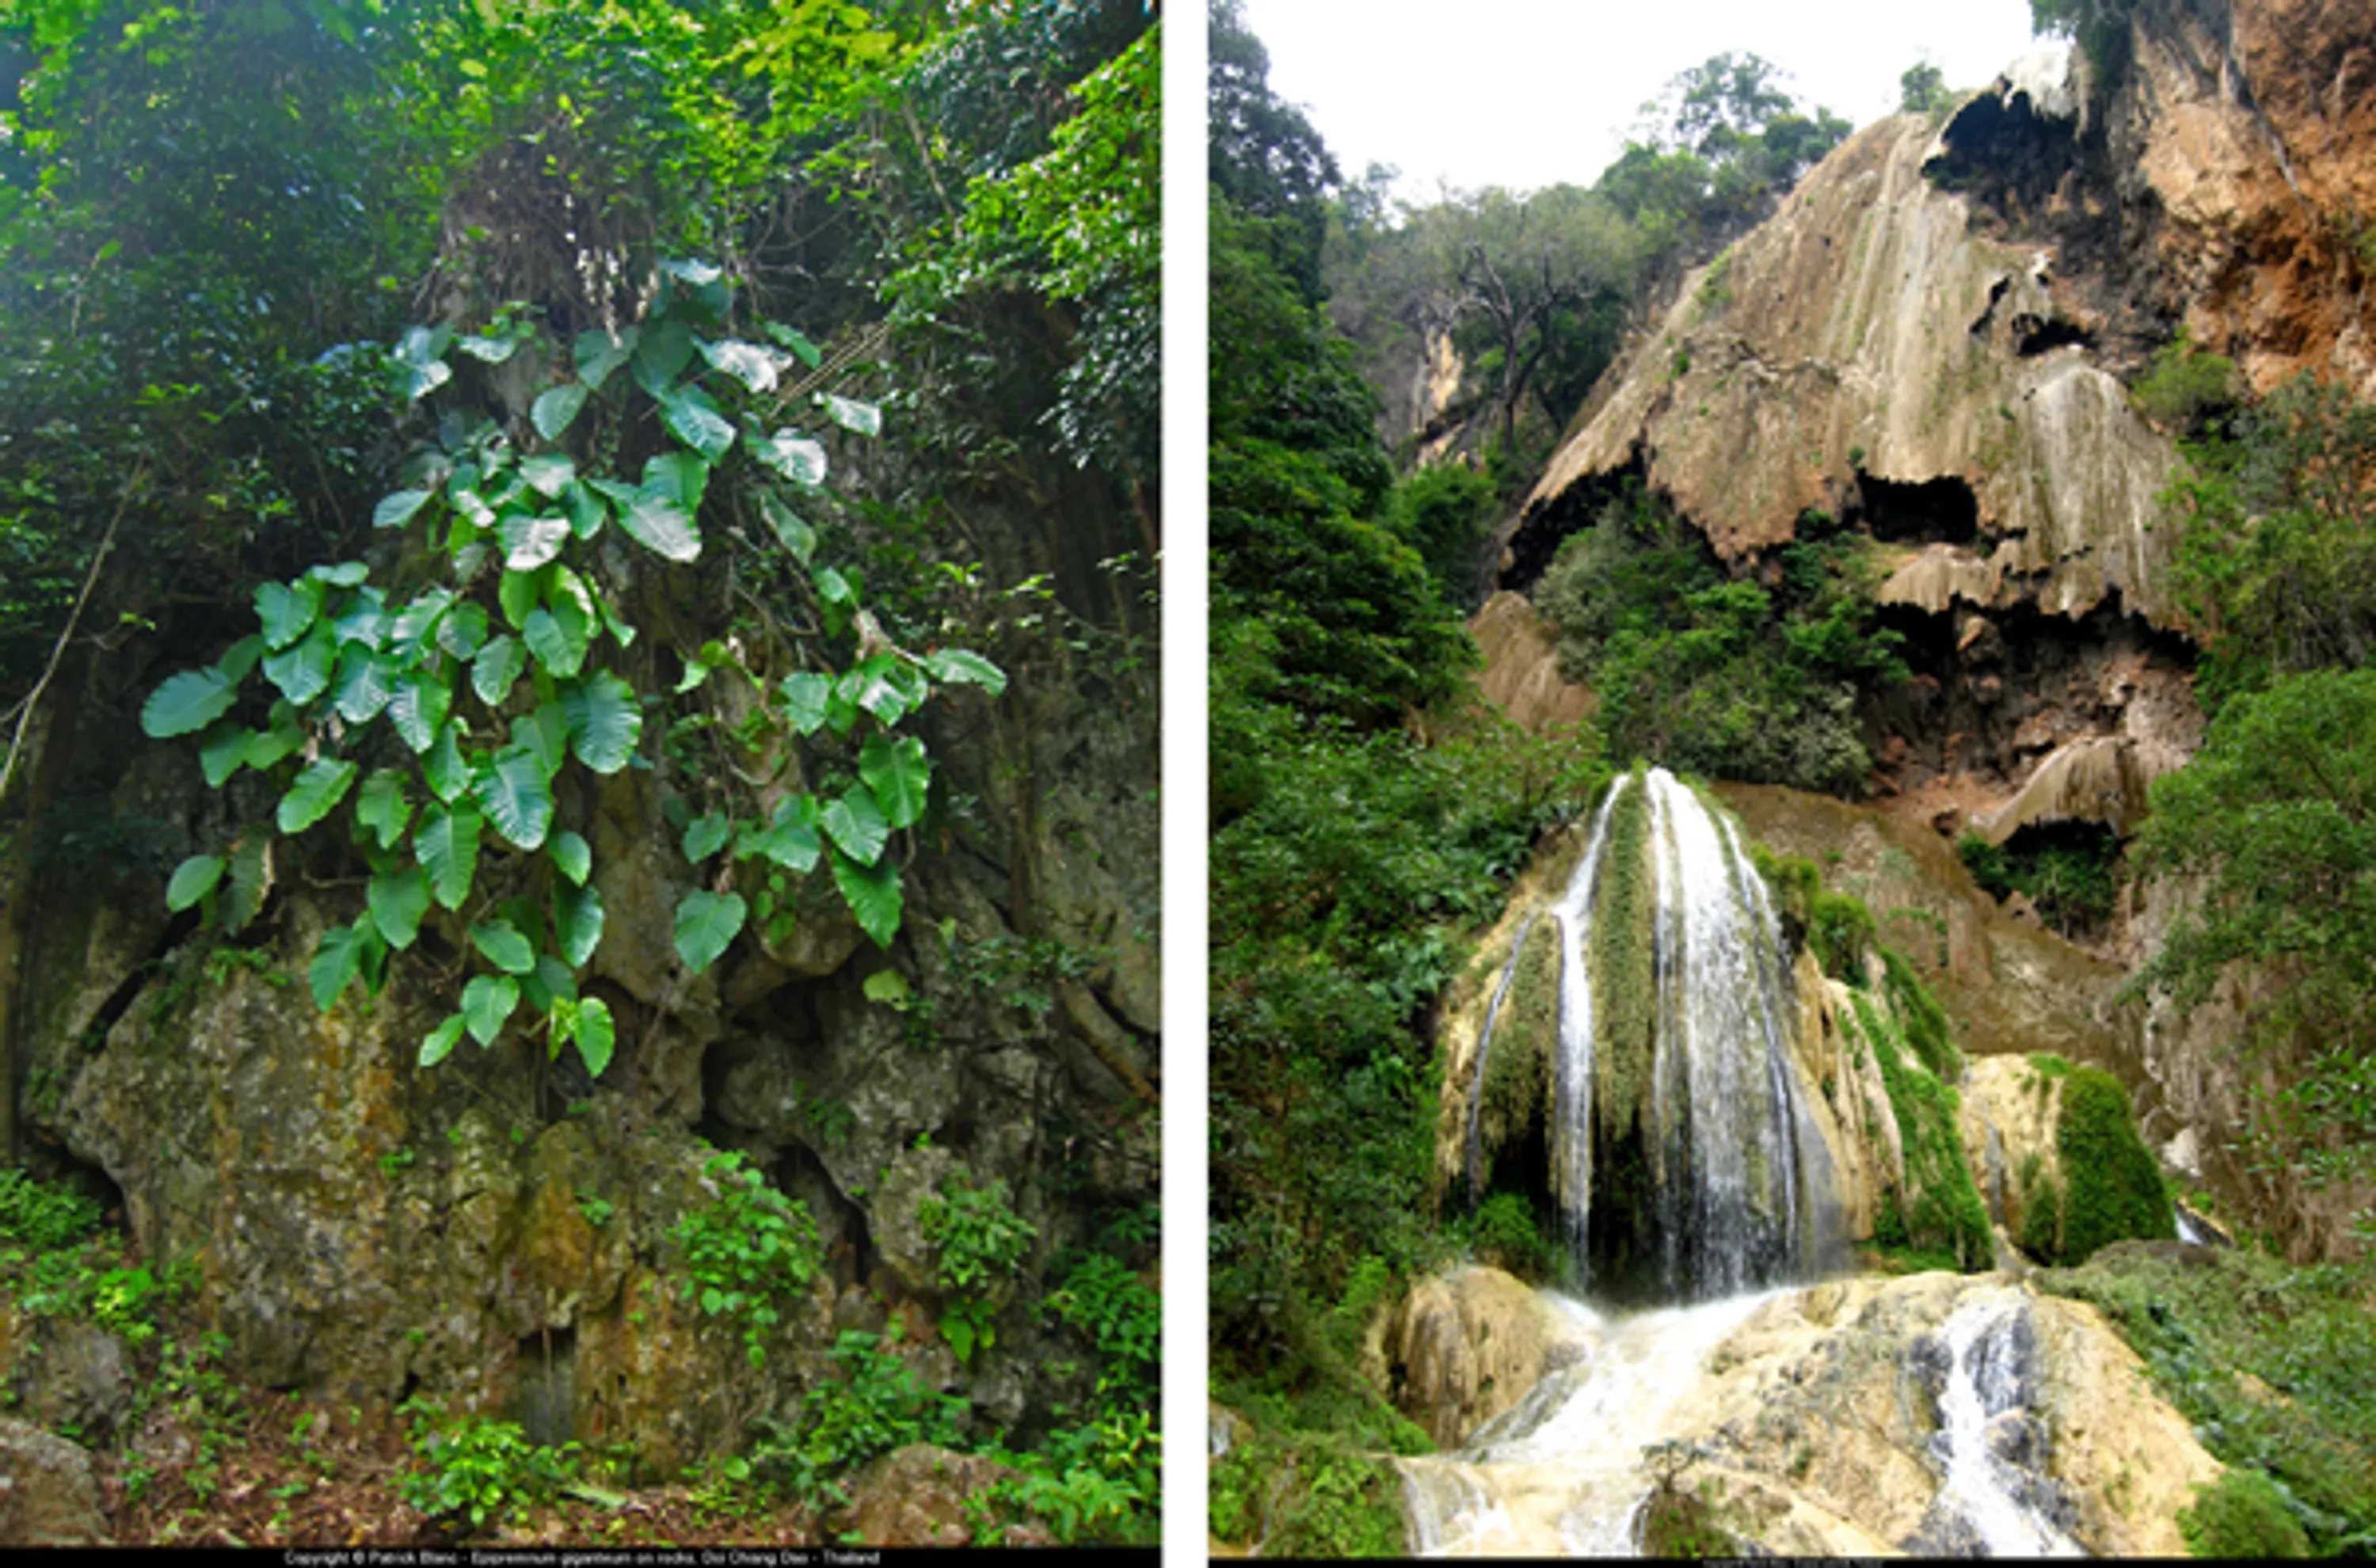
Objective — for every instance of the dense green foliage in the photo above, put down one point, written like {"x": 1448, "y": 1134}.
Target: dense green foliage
{"x": 2069, "y": 871}
{"x": 2277, "y": 814}
{"x": 475, "y": 1467}
{"x": 2239, "y": 1517}
{"x": 1935, "y": 1219}
{"x": 747, "y": 1254}
{"x": 1715, "y": 675}
{"x": 2271, "y": 1364}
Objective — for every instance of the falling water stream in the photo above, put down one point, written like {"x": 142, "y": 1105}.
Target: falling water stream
{"x": 1742, "y": 1204}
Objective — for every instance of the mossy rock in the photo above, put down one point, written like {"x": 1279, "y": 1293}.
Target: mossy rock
{"x": 2111, "y": 1189}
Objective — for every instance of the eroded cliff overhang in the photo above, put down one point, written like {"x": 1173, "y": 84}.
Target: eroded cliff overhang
{"x": 1868, "y": 334}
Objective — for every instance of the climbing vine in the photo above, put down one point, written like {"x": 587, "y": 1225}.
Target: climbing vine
{"x": 440, "y": 705}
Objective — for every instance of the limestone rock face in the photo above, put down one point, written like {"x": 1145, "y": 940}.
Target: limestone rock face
{"x": 917, "y": 1496}
{"x": 47, "y": 1494}
{"x": 1465, "y": 1347}
{"x": 1520, "y": 673}
{"x": 2007, "y": 1119}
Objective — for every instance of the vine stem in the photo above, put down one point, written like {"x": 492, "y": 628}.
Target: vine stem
{"x": 58, "y": 653}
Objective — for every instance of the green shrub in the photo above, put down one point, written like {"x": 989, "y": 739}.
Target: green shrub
{"x": 1840, "y": 930}
{"x": 1937, "y": 1220}
{"x": 2184, "y": 386}
{"x": 1340, "y": 1505}
{"x": 876, "y": 1405}
{"x": 43, "y": 1216}
{"x": 470, "y": 1465}
{"x": 2069, "y": 871}
{"x": 743, "y": 1253}
{"x": 2240, "y": 1516}
{"x": 982, "y": 1239}
{"x": 1506, "y": 1233}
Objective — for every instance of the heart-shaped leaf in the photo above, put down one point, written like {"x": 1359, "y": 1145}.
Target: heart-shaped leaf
{"x": 464, "y": 631}
{"x": 419, "y": 709}
{"x": 395, "y": 511}
{"x": 597, "y": 354}
{"x": 302, "y": 672}
{"x": 548, "y": 473}
{"x": 487, "y": 1003}
{"x": 693, "y": 419}
{"x": 555, "y": 410}
{"x": 558, "y": 642}
{"x": 287, "y": 609}
{"x": 595, "y": 1034}
{"x": 570, "y": 854}
{"x": 858, "y": 826}
{"x": 873, "y": 894}
{"x": 587, "y": 512}
{"x": 441, "y": 1042}
{"x": 365, "y": 683}
{"x": 683, "y": 477}
{"x": 398, "y": 900}
{"x": 504, "y": 947}
{"x": 529, "y": 542}
{"x": 338, "y": 959}
{"x": 382, "y": 809}
{"x": 222, "y": 751}
{"x": 805, "y": 696}
{"x": 445, "y": 768}
{"x": 447, "y": 847}
{"x": 660, "y": 353}
{"x": 578, "y": 921}
{"x": 545, "y": 733}
{"x": 517, "y": 799}
{"x": 187, "y": 702}
{"x": 866, "y": 419}
{"x": 605, "y": 721}
{"x": 497, "y": 668}
{"x": 662, "y": 527}
{"x": 193, "y": 880}
{"x": 899, "y": 774}
{"x": 706, "y": 836}
{"x": 322, "y": 786}
{"x": 519, "y": 593}
{"x": 957, "y": 666}
{"x": 706, "y": 924}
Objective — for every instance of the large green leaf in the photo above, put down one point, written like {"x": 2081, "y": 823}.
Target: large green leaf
{"x": 587, "y": 512}
{"x": 419, "y": 709}
{"x": 957, "y": 666}
{"x": 900, "y": 774}
{"x": 875, "y": 686}
{"x": 322, "y": 786}
{"x": 553, "y": 982}
{"x": 504, "y": 947}
{"x": 398, "y": 900}
{"x": 683, "y": 477}
{"x": 464, "y": 631}
{"x": 344, "y": 950}
{"x": 873, "y": 894}
{"x": 557, "y": 640}
{"x": 550, "y": 474}
{"x": 555, "y": 410}
{"x": 605, "y": 721}
{"x": 595, "y": 1033}
{"x": 487, "y": 1002}
{"x": 498, "y": 666}
{"x": 597, "y": 354}
{"x": 662, "y": 526}
{"x": 570, "y": 853}
{"x": 302, "y": 671}
{"x": 805, "y": 695}
{"x": 287, "y": 609}
{"x": 416, "y": 623}
{"x": 858, "y": 826}
{"x": 797, "y": 536}
{"x": 382, "y": 809}
{"x": 444, "y": 765}
{"x": 240, "y": 657}
{"x": 363, "y": 618}
{"x": 693, "y": 419}
{"x": 789, "y": 841}
{"x": 706, "y": 924}
{"x": 441, "y": 1041}
{"x": 395, "y": 511}
{"x": 517, "y": 799}
{"x": 365, "y": 683}
{"x": 545, "y": 733}
{"x": 808, "y": 352}
{"x": 663, "y": 351}
{"x": 753, "y": 366}
{"x": 448, "y": 846}
{"x": 222, "y": 751}
{"x": 529, "y": 542}
{"x": 519, "y": 593}
{"x": 487, "y": 350}
{"x": 865, "y": 419}
{"x": 419, "y": 370}
{"x": 706, "y": 836}
{"x": 578, "y": 921}
{"x": 835, "y": 594}
{"x": 193, "y": 880}
{"x": 793, "y": 454}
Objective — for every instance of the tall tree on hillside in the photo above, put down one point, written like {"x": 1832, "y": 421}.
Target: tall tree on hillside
{"x": 1262, "y": 154}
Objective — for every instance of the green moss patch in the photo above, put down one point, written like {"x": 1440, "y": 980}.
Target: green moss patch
{"x": 1518, "y": 1060}
{"x": 2111, "y": 1188}
{"x": 1623, "y": 955}
{"x": 1937, "y": 1220}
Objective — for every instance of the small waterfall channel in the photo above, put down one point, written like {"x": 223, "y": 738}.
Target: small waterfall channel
{"x": 1693, "y": 1188}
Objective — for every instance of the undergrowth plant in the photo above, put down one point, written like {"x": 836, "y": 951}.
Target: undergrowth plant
{"x": 982, "y": 1241}
{"x": 437, "y": 689}
{"x": 747, "y": 1250}
{"x": 473, "y": 1466}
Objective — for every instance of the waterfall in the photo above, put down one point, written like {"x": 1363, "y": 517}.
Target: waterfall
{"x": 1990, "y": 1441}
{"x": 1681, "y": 1155}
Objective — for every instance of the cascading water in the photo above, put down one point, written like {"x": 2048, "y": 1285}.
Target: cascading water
{"x": 1985, "y": 1425}
{"x": 1682, "y": 1160}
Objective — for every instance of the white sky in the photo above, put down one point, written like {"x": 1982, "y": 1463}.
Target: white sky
{"x": 1527, "y": 93}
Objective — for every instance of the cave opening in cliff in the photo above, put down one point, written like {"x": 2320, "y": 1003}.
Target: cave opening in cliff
{"x": 546, "y": 1394}
{"x": 1929, "y": 511}
{"x": 1535, "y": 540}
{"x": 2034, "y": 335}
{"x": 2003, "y": 153}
